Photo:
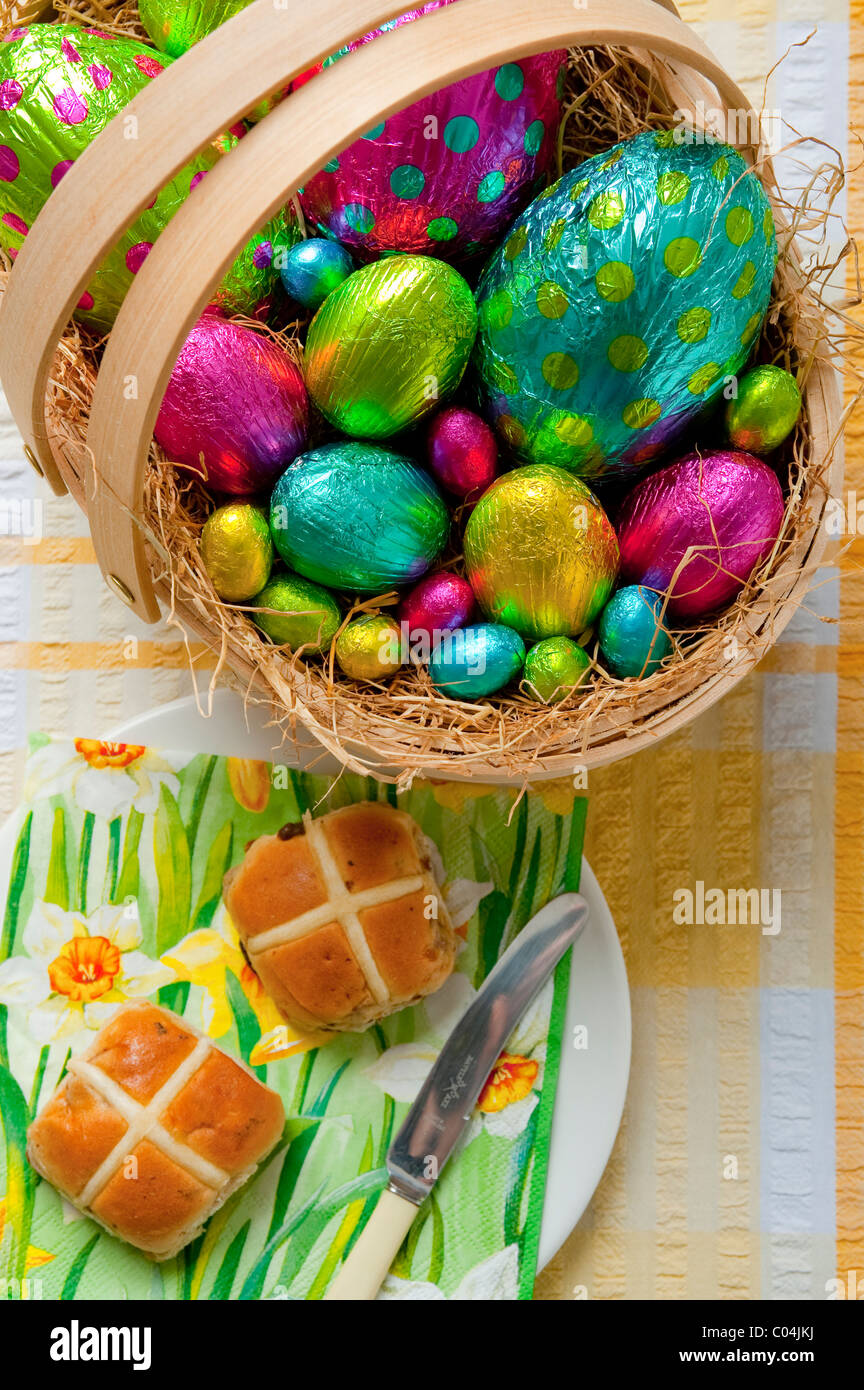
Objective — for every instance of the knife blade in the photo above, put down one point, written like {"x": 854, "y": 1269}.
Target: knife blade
{"x": 435, "y": 1123}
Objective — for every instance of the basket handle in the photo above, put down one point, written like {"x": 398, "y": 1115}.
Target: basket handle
{"x": 246, "y": 188}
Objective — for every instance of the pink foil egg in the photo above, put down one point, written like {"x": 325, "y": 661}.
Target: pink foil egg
{"x": 448, "y": 174}
{"x": 724, "y": 507}
{"x": 440, "y": 603}
{"x": 235, "y": 410}
{"x": 463, "y": 453}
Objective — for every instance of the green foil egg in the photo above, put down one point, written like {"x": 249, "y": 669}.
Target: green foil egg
{"x": 356, "y": 517}
{"x": 553, "y": 668}
{"x": 60, "y": 85}
{"x": 540, "y": 552}
{"x": 764, "y": 411}
{"x": 237, "y": 551}
{"x": 390, "y": 343}
{"x": 304, "y": 615}
{"x": 175, "y": 25}
{"x": 622, "y": 300}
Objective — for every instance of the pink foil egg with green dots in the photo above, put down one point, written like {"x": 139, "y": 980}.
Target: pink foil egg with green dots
{"x": 60, "y": 85}
{"x": 446, "y": 176}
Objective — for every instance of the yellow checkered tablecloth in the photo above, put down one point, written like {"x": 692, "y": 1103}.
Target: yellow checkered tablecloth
{"x": 739, "y": 1168}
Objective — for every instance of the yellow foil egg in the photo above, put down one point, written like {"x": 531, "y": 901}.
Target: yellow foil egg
{"x": 540, "y": 552}
{"x": 369, "y": 649}
{"x": 237, "y": 551}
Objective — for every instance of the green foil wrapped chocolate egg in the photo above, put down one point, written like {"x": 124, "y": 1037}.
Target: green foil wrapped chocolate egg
{"x": 175, "y": 25}
{"x": 621, "y": 302}
{"x": 540, "y": 552}
{"x": 60, "y": 85}
{"x": 389, "y": 344}
{"x": 303, "y": 614}
{"x": 553, "y": 668}
{"x": 237, "y": 551}
{"x": 764, "y": 411}
{"x": 356, "y": 517}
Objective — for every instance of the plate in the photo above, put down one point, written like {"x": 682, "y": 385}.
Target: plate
{"x": 592, "y": 1082}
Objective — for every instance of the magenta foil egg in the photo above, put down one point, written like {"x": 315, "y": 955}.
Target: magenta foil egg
{"x": 463, "y": 453}
{"x": 446, "y": 176}
{"x": 235, "y": 410}
{"x": 725, "y": 508}
{"x": 440, "y": 603}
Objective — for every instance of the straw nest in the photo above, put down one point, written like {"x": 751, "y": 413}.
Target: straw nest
{"x": 405, "y": 727}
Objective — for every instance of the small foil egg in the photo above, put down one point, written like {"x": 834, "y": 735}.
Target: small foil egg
{"x": 473, "y": 662}
{"x": 440, "y": 603}
{"x": 632, "y": 638}
{"x": 237, "y": 551}
{"x": 304, "y": 615}
{"x": 370, "y": 648}
{"x": 353, "y": 516}
{"x": 540, "y": 552}
{"x": 235, "y": 410}
{"x": 175, "y": 25}
{"x": 390, "y": 343}
{"x": 313, "y": 269}
{"x": 553, "y": 668}
{"x": 463, "y": 454}
{"x": 764, "y": 411}
{"x": 699, "y": 528}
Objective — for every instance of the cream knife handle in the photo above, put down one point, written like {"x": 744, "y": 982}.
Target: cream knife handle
{"x": 365, "y": 1269}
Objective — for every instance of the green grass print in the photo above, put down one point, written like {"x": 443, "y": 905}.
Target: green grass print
{"x": 286, "y": 1233}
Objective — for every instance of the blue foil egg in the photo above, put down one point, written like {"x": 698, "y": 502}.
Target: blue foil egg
{"x": 353, "y": 516}
{"x": 622, "y": 300}
{"x": 632, "y": 638}
{"x": 476, "y": 661}
{"x": 313, "y": 269}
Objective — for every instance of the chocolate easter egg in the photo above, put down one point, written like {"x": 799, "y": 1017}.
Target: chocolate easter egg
{"x": 235, "y": 410}
{"x": 297, "y": 614}
{"x": 237, "y": 551}
{"x": 462, "y": 452}
{"x": 357, "y": 517}
{"x": 763, "y": 410}
{"x": 369, "y": 648}
{"x": 622, "y": 300}
{"x": 632, "y": 637}
{"x": 540, "y": 552}
{"x": 699, "y": 528}
{"x": 476, "y": 661}
{"x": 60, "y": 85}
{"x": 553, "y": 668}
{"x": 175, "y": 25}
{"x": 388, "y": 344}
{"x": 447, "y": 175}
{"x": 440, "y": 603}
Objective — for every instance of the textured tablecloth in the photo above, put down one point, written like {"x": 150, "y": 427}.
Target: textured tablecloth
{"x": 739, "y": 1168}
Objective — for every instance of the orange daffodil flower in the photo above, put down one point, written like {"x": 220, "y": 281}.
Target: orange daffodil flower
{"x": 105, "y": 778}
{"x": 510, "y": 1094}
{"x": 78, "y": 969}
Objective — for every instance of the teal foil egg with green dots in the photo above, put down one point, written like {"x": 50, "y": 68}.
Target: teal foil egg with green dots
{"x": 622, "y": 301}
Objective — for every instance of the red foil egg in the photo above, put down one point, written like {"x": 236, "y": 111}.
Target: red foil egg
{"x": 463, "y": 453}
{"x": 440, "y": 603}
{"x": 236, "y": 409}
{"x": 725, "y": 508}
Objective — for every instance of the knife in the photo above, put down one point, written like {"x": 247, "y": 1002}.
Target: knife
{"x": 434, "y": 1124}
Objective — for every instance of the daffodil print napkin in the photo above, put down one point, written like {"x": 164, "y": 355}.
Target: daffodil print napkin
{"x": 112, "y": 871}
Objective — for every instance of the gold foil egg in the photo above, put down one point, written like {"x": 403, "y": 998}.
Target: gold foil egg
{"x": 390, "y": 343}
{"x": 237, "y": 551}
{"x": 369, "y": 648}
{"x": 540, "y": 552}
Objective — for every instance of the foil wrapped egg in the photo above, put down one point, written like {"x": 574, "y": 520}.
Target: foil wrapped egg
{"x": 356, "y": 517}
{"x": 448, "y": 174}
{"x": 540, "y": 552}
{"x": 473, "y": 662}
{"x": 235, "y": 410}
{"x": 370, "y": 648}
{"x": 60, "y": 85}
{"x": 698, "y": 529}
{"x": 388, "y": 344}
{"x": 440, "y": 603}
{"x": 632, "y": 637}
{"x": 622, "y": 301}
{"x": 297, "y": 614}
{"x": 313, "y": 269}
{"x": 462, "y": 450}
{"x": 553, "y": 668}
{"x": 175, "y": 25}
{"x": 764, "y": 410}
{"x": 237, "y": 551}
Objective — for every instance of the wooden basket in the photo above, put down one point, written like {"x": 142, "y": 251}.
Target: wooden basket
{"x": 263, "y": 48}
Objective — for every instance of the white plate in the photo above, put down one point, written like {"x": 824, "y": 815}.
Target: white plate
{"x": 592, "y": 1082}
